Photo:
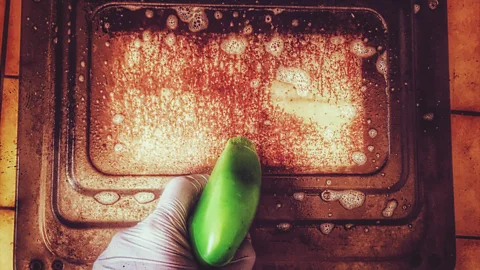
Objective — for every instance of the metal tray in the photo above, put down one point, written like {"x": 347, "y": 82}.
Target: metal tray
{"x": 334, "y": 96}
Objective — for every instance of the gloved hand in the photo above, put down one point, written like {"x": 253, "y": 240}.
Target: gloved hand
{"x": 161, "y": 240}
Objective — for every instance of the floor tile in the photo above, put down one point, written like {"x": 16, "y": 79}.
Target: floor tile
{"x": 464, "y": 51}
{"x": 13, "y": 44}
{"x": 8, "y": 142}
{"x": 467, "y": 254}
{"x": 466, "y": 173}
{"x": 7, "y": 218}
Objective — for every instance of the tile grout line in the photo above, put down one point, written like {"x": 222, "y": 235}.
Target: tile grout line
{"x": 3, "y": 60}
{"x": 465, "y": 113}
{"x": 468, "y": 237}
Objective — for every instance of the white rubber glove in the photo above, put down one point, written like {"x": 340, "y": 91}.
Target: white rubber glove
{"x": 161, "y": 240}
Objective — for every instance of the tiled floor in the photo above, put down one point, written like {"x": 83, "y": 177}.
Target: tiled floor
{"x": 464, "y": 40}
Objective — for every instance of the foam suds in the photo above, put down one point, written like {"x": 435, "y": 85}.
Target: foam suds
{"x": 118, "y": 147}
{"x": 370, "y": 148}
{"x": 107, "y": 197}
{"x": 358, "y": 48}
{"x": 284, "y": 226}
{"x": 195, "y": 17}
{"x": 172, "y": 22}
{"x": 382, "y": 64}
{"x": 274, "y": 46}
{"x": 372, "y": 133}
{"x": 297, "y": 77}
{"x": 299, "y": 196}
{"x": 428, "y": 116}
{"x": 144, "y": 197}
{"x": 416, "y": 8}
{"x": 234, "y": 45}
{"x": 170, "y": 39}
{"x": 218, "y": 15}
{"x": 255, "y": 83}
{"x": 390, "y": 208}
{"x": 118, "y": 119}
{"x": 359, "y": 158}
{"x": 185, "y": 13}
{"x": 352, "y": 199}
{"x": 327, "y": 228}
{"x": 295, "y": 23}
{"x": 149, "y": 13}
{"x": 349, "y": 199}
{"x": 81, "y": 78}
{"x": 337, "y": 40}
{"x": 248, "y": 29}
{"x": 199, "y": 22}
{"x": 268, "y": 19}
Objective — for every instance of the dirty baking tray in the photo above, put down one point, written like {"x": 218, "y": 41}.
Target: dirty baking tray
{"x": 135, "y": 94}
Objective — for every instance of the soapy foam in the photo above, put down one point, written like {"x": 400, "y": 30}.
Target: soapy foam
{"x": 199, "y": 22}
{"x": 172, "y": 22}
{"x": 170, "y": 39}
{"x": 337, "y": 40}
{"x": 297, "y": 77}
{"x": 352, "y": 199}
{"x": 247, "y": 30}
{"x": 218, "y": 15}
{"x": 382, "y": 64}
{"x": 274, "y": 46}
{"x": 107, "y": 197}
{"x": 299, "y": 196}
{"x": 284, "y": 226}
{"x": 149, "y": 13}
{"x": 327, "y": 228}
{"x": 185, "y": 13}
{"x": 117, "y": 119}
{"x": 390, "y": 208}
{"x": 370, "y": 148}
{"x": 372, "y": 133}
{"x": 349, "y": 199}
{"x": 358, "y": 48}
{"x": 359, "y": 158}
{"x": 144, "y": 197}
{"x": 234, "y": 45}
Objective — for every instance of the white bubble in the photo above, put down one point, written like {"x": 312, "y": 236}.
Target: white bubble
{"x": 382, "y": 64}
{"x": 274, "y": 46}
{"x": 170, "y": 39}
{"x": 144, "y": 197}
{"x": 284, "y": 226}
{"x": 199, "y": 22}
{"x": 218, "y": 15}
{"x": 149, "y": 13}
{"x": 268, "y": 19}
{"x": 118, "y": 147}
{"x": 255, "y": 83}
{"x": 352, "y": 199}
{"x": 372, "y": 133}
{"x": 235, "y": 14}
{"x": 358, "y": 48}
{"x": 359, "y": 158}
{"x": 118, "y": 119}
{"x": 337, "y": 40}
{"x": 299, "y": 196}
{"x": 327, "y": 228}
{"x": 416, "y": 8}
{"x": 331, "y": 195}
{"x": 390, "y": 208}
{"x": 248, "y": 29}
{"x": 81, "y": 78}
{"x": 428, "y": 116}
{"x": 295, "y": 23}
{"x": 172, "y": 22}
{"x": 185, "y": 13}
{"x": 297, "y": 77}
{"x": 82, "y": 64}
{"x": 234, "y": 45}
{"x": 370, "y": 148}
{"x": 107, "y": 197}
{"x": 107, "y": 44}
